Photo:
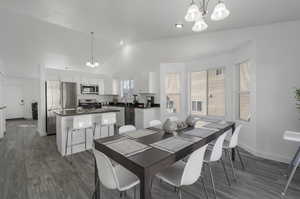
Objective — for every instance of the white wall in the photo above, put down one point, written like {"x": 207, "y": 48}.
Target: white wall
{"x": 29, "y": 88}
{"x": 276, "y": 50}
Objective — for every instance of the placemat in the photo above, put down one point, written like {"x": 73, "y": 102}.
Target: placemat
{"x": 200, "y": 124}
{"x": 126, "y": 146}
{"x": 172, "y": 144}
{"x": 156, "y": 128}
{"x": 210, "y": 119}
{"x": 139, "y": 133}
{"x": 200, "y": 132}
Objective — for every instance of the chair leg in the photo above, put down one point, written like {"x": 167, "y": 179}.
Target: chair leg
{"x": 240, "y": 157}
{"x": 71, "y": 142}
{"x": 291, "y": 177}
{"x": 134, "y": 192}
{"x": 67, "y": 141}
{"x": 290, "y": 167}
{"x": 85, "y": 139}
{"x": 212, "y": 180}
{"x": 225, "y": 171}
{"x": 204, "y": 187}
{"x": 231, "y": 164}
{"x": 179, "y": 193}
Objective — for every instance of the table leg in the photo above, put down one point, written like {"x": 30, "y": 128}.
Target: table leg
{"x": 97, "y": 184}
{"x": 233, "y": 150}
{"x": 145, "y": 187}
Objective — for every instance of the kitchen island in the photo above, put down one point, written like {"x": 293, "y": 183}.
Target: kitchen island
{"x": 103, "y": 128}
{"x": 2, "y": 121}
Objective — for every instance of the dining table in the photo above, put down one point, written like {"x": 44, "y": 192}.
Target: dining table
{"x": 158, "y": 153}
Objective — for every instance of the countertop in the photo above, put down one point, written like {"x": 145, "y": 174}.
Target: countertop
{"x": 2, "y": 107}
{"x": 131, "y": 106}
{"x": 85, "y": 111}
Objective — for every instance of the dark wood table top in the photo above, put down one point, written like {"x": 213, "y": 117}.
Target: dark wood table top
{"x": 151, "y": 161}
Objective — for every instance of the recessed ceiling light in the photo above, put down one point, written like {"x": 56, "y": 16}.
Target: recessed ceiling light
{"x": 179, "y": 25}
{"x": 122, "y": 42}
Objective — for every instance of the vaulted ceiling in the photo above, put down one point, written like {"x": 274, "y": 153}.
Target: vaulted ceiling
{"x": 144, "y": 20}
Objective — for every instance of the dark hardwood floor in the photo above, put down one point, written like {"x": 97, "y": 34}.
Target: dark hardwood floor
{"x": 32, "y": 168}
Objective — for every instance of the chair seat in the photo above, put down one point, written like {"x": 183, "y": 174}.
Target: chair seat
{"x": 292, "y": 136}
{"x": 225, "y": 144}
{"x": 126, "y": 179}
{"x": 172, "y": 175}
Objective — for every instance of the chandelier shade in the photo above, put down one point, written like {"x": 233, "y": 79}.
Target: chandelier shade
{"x": 200, "y": 25}
{"x": 220, "y": 12}
{"x": 192, "y": 13}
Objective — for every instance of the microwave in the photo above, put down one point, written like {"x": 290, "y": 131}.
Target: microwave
{"x": 89, "y": 89}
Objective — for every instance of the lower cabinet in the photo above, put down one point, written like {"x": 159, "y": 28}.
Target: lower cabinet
{"x": 144, "y": 115}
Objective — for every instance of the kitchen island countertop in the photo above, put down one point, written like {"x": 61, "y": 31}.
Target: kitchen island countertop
{"x": 85, "y": 111}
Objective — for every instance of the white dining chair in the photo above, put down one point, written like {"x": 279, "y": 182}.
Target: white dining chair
{"x": 185, "y": 173}
{"x": 126, "y": 128}
{"x": 232, "y": 143}
{"x": 215, "y": 155}
{"x": 114, "y": 178}
{"x": 292, "y": 137}
{"x": 155, "y": 123}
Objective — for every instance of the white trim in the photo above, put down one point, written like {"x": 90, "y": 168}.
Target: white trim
{"x": 268, "y": 156}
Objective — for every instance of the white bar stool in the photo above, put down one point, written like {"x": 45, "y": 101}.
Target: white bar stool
{"x": 108, "y": 119}
{"x": 294, "y": 137}
{"x": 82, "y": 122}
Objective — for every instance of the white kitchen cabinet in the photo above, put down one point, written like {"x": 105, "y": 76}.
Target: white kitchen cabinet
{"x": 144, "y": 115}
{"x": 147, "y": 82}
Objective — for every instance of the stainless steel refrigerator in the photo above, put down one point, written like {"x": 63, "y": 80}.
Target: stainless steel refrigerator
{"x": 59, "y": 96}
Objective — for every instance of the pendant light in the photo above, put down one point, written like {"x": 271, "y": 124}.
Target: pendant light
{"x": 92, "y": 62}
{"x": 220, "y": 12}
{"x": 200, "y": 25}
{"x": 192, "y": 12}
{"x": 197, "y": 14}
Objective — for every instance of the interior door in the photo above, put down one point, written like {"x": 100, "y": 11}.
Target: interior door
{"x": 14, "y": 102}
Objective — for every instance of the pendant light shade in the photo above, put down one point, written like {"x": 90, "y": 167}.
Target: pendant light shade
{"x": 192, "y": 13}
{"x": 220, "y": 12}
{"x": 92, "y": 63}
{"x": 200, "y": 25}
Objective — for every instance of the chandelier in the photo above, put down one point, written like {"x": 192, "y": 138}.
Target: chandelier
{"x": 92, "y": 62}
{"x": 197, "y": 14}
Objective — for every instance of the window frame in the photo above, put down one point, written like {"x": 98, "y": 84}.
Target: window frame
{"x": 206, "y": 69}
{"x": 239, "y": 92}
{"x": 178, "y": 93}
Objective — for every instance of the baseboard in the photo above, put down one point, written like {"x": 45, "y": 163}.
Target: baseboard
{"x": 13, "y": 119}
{"x": 260, "y": 154}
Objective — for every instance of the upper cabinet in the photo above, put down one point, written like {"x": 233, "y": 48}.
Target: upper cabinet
{"x": 146, "y": 82}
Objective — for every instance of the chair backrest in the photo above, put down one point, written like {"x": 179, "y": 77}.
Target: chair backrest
{"x": 106, "y": 172}
{"x": 126, "y": 128}
{"x": 173, "y": 118}
{"x": 193, "y": 167}
{"x": 82, "y": 122}
{"x": 233, "y": 142}
{"x": 217, "y": 150}
{"x": 155, "y": 123}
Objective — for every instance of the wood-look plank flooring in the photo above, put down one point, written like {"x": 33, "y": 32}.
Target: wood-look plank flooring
{"x": 32, "y": 168}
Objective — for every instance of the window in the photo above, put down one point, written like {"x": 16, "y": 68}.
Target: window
{"x": 127, "y": 87}
{"x": 208, "y": 92}
{"x": 244, "y": 91}
{"x": 172, "y": 86}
